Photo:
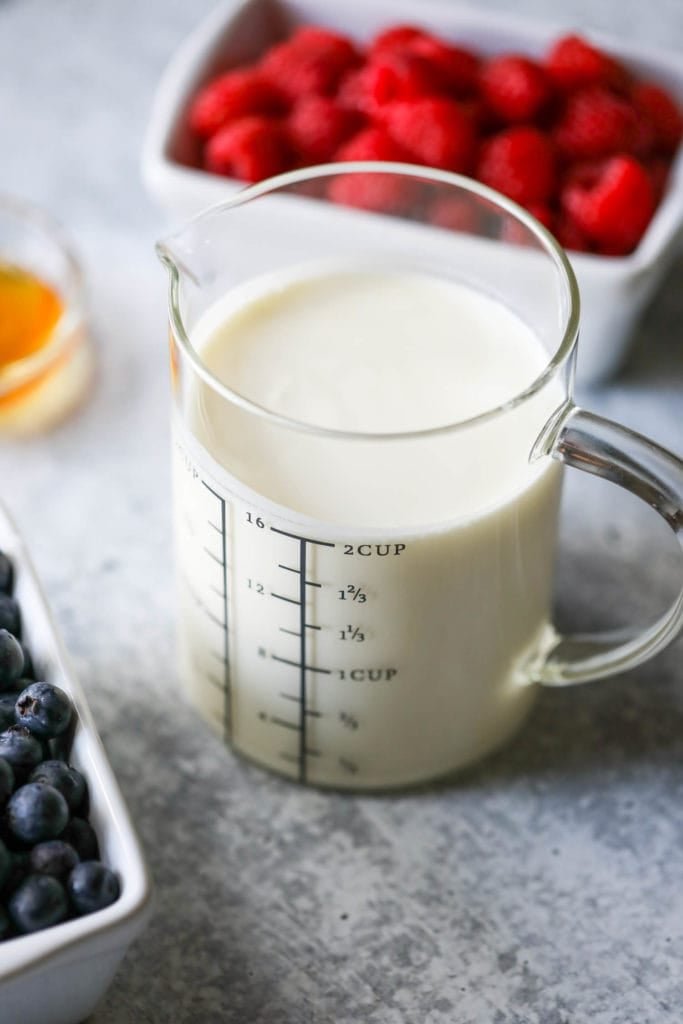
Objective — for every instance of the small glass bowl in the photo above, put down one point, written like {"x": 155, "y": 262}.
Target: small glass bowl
{"x": 38, "y": 390}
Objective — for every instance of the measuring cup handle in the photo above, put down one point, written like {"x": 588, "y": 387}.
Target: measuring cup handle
{"x": 606, "y": 449}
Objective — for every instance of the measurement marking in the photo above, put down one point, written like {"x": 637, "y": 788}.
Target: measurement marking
{"x": 309, "y": 712}
{"x": 223, "y": 562}
{"x": 216, "y": 528}
{"x": 309, "y": 625}
{"x": 304, "y": 668}
{"x": 218, "y": 657}
{"x": 215, "y": 680}
{"x": 303, "y": 540}
{"x": 215, "y": 557}
{"x": 302, "y": 659}
{"x": 293, "y": 758}
{"x": 221, "y": 593}
{"x": 295, "y": 726}
{"x": 292, "y": 632}
{"x": 289, "y": 568}
{"x": 281, "y": 597}
{"x": 214, "y": 618}
{"x": 312, "y": 753}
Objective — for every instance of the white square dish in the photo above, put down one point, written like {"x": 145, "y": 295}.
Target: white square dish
{"x": 613, "y": 290}
{"x": 57, "y": 976}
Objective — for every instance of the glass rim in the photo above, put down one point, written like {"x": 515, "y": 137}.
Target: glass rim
{"x": 19, "y": 372}
{"x": 278, "y": 182}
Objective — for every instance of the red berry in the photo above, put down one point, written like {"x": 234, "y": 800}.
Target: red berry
{"x": 515, "y": 88}
{"x": 386, "y": 193}
{"x": 312, "y": 61}
{"x": 520, "y": 163}
{"x": 662, "y": 114}
{"x": 595, "y": 123}
{"x": 516, "y": 233}
{"x": 434, "y": 131}
{"x": 251, "y": 149}
{"x": 394, "y": 40}
{"x": 572, "y": 63}
{"x": 232, "y": 95}
{"x": 317, "y": 127}
{"x": 569, "y": 235}
{"x": 659, "y": 170}
{"x": 614, "y": 211}
{"x": 403, "y": 76}
{"x": 457, "y": 67}
{"x": 456, "y": 213}
{"x": 371, "y": 144}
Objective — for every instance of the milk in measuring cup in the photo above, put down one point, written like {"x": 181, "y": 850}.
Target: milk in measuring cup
{"x": 354, "y": 609}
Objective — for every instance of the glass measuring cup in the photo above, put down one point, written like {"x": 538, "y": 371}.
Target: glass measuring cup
{"x": 370, "y": 609}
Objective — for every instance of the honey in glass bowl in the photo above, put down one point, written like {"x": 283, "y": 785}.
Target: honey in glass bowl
{"x": 45, "y": 357}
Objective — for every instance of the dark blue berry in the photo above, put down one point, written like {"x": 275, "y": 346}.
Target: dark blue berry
{"x": 38, "y": 902}
{"x": 29, "y": 668}
{"x": 7, "y": 710}
{"x": 36, "y": 812}
{"x": 10, "y": 615}
{"x": 6, "y": 574}
{"x": 92, "y": 886}
{"x": 20, "y": 868}
{"x": 63, "y": 777}
{"x": 20, "y": 747}
{"x": 53, "y": 857}
{"x": 44, "y": 709}
{"x": 11, "y": 658}
{"x": 5, "y": 863}
{"x": 80, "y": 834}
{"x": 6, "y": 781}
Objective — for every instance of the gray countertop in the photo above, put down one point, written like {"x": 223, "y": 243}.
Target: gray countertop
{"x": 542, "y": 887}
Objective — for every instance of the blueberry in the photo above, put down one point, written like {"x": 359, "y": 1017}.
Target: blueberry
{"x": 92, "y": 886}
{"x": 44, "y": 709}
{"x": 80, "y": 834}
{"x": 5, "y": 863}
{"x": 63, "y": 777}
{"x": 20, "y": 868}
{"x": 10, "y": 616}
{"x": 6, "y": 574}
{"x": 20, "y": 747}
{"x": 29, "y": 670}
{"x": 6, "y": 781}
{"x": 36, "y": 812}
{"x": 38, "y": 902}
{"x": 11, "y": 658}
{"x": 53, "y": 857}
{"x": 7, "y": 706}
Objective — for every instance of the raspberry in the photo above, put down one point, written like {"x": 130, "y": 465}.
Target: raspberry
{"x": 520, "y": 163}
{"x": 457, "y": 67}
{"x": 394, "y": 40}
{"x": 658, "y": 170}
{"x": 572, "y": 63}
{"x": 615, "y": 209}
{"x": 317, "y": 127}
{"x": 662, "y": 114}
{"x": 569, "y": 235}
{"x": 232, "y": 95}
{"x": 403, "y": 76}
{"x": 434, "y": 131}
{"x": 595, "y": 123}
{"x": 456, "y": 213}
{"x": 313, "y": 60}
{"x": 386, "y": 193}
{"x": 515, "y": 88}
{"x": 516, "y": 233}
{"x": 371, "y": 144}
{"x": 252, "y": 148}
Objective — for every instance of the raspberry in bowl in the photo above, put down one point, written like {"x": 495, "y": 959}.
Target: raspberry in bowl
{"x": 582, "y": 132}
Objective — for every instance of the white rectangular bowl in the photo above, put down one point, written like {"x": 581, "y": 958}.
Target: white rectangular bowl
{"x": 58, "y": 975}
{"x": 613, "y": 290}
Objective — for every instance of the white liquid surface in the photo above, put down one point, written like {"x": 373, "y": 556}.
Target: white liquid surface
{"x": 416, "y": 618}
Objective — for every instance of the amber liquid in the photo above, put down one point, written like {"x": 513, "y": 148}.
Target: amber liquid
{"x": 32, "y": 398}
